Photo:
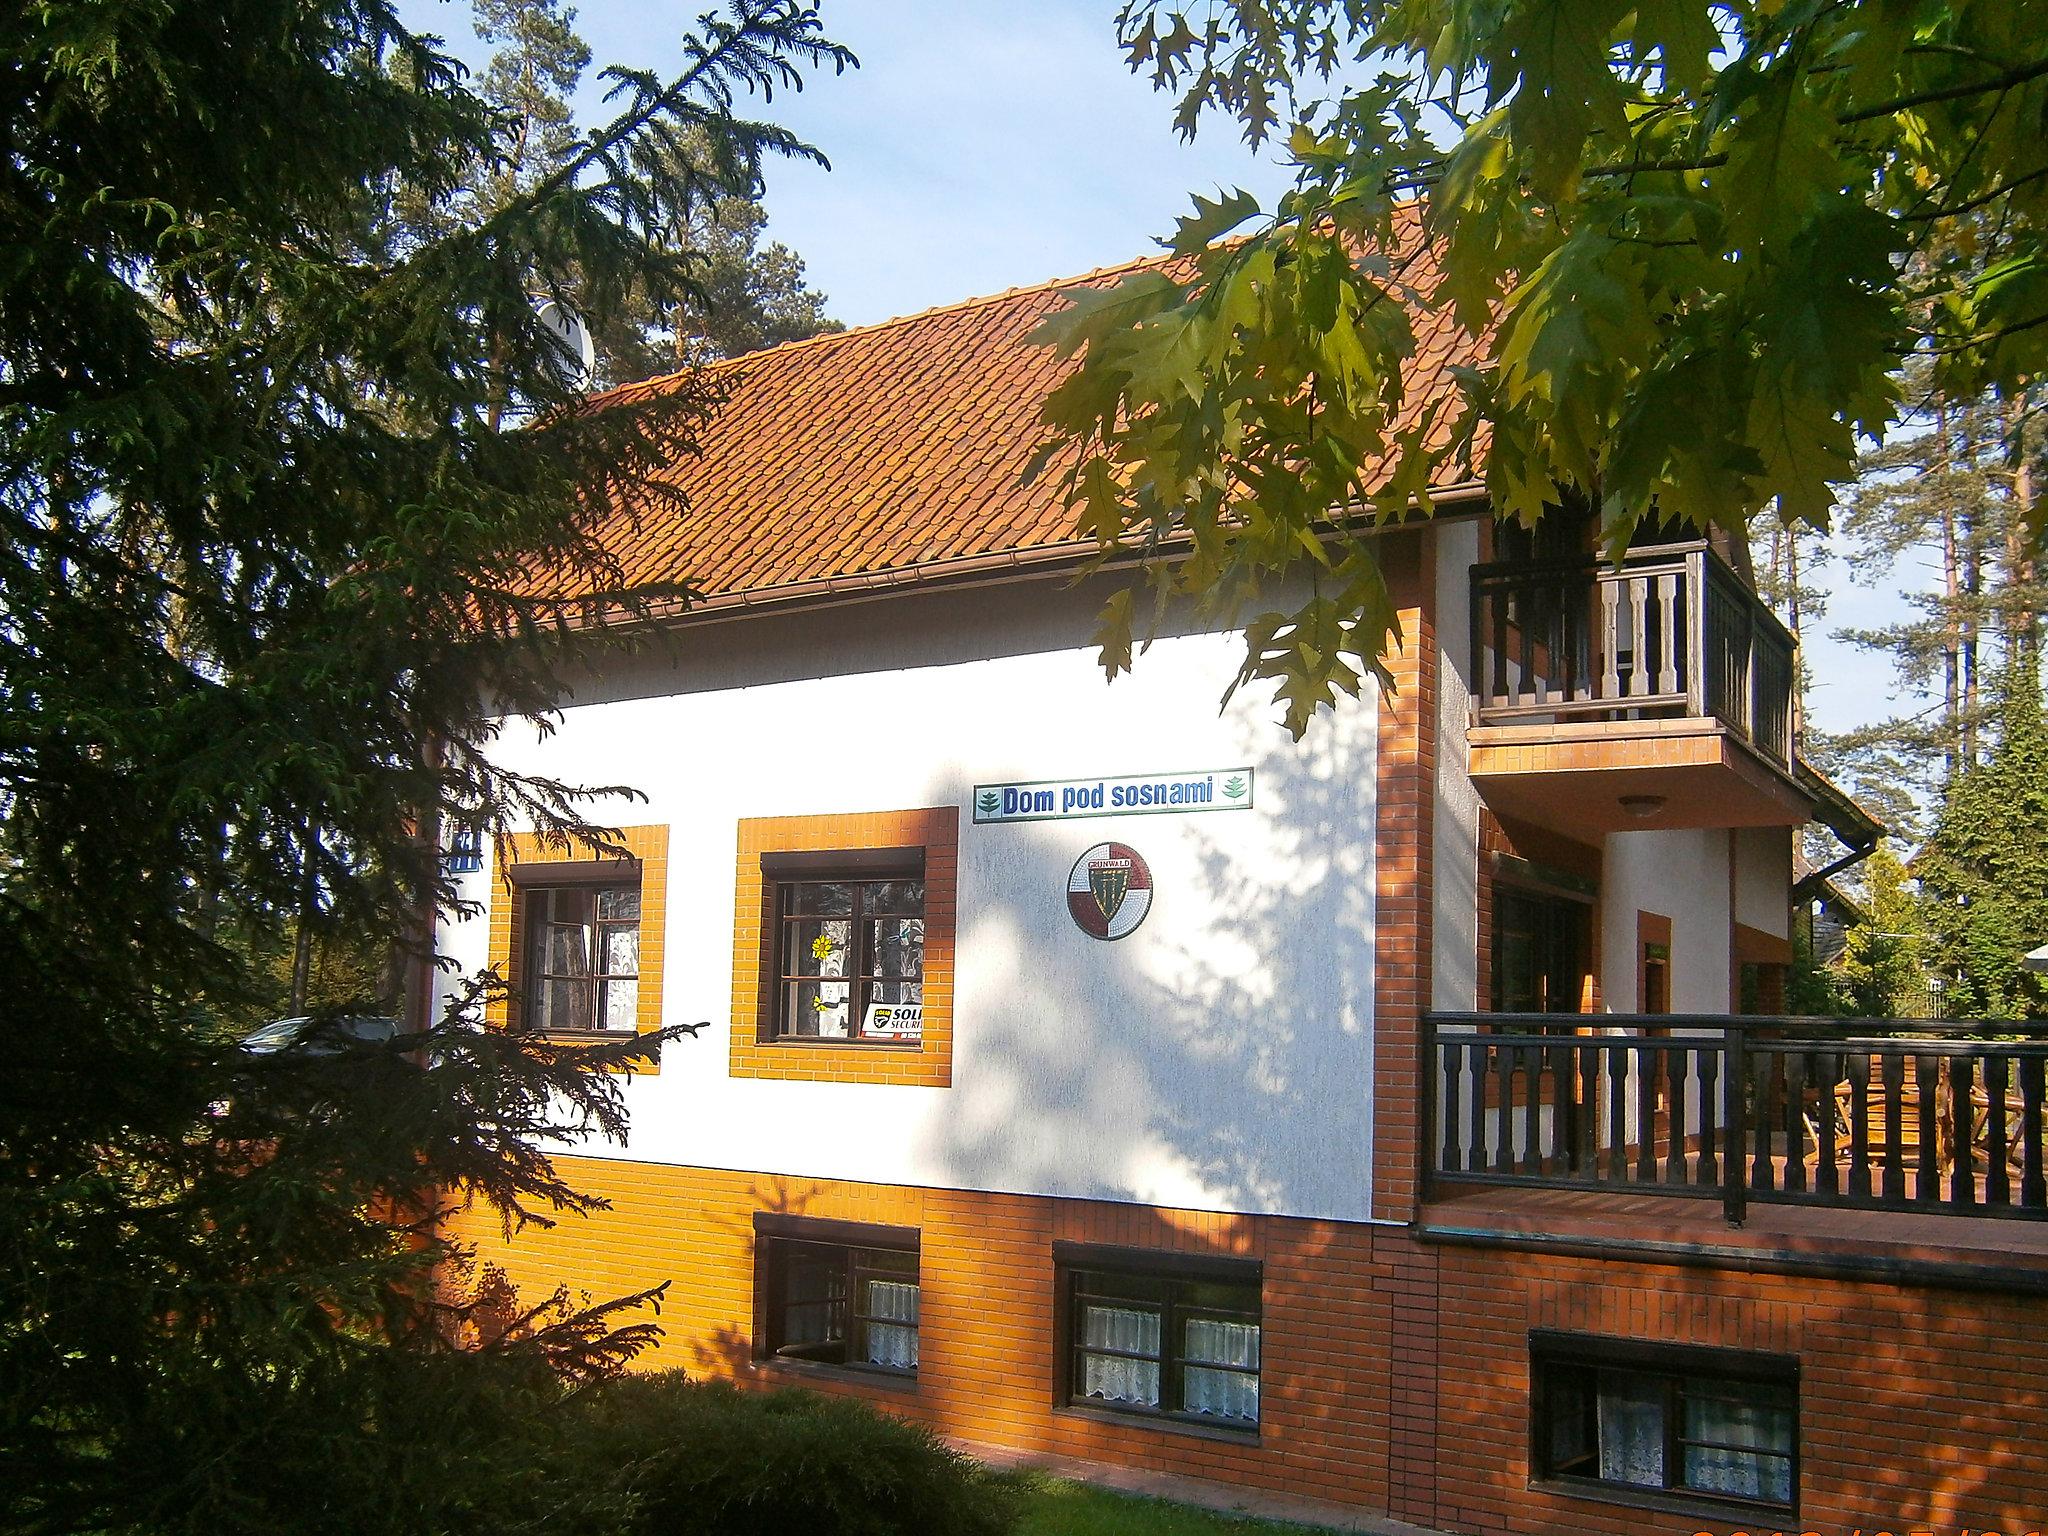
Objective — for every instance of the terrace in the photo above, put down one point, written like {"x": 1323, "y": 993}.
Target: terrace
{"x": 1703, "y": 1125}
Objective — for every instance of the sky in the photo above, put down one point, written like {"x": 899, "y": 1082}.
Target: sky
{"x": 987, "y": 144}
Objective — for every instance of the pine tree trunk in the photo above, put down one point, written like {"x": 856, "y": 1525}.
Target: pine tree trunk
{"x": 2020, "y": 618}
{"x": 1951, "y": 647}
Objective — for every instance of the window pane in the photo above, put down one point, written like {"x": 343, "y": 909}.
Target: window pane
{"x": 571, "y": 904}
{"x": 896, "y": 992}
{"x": 899, "y": 898}
{"x": 619, "y": 904}
{"x": 1112, "y": 1380}
{"x": 1632, "y": 1429}
{"x": 1211, "y": 1341}
{"x": 821, "y": 898}
{"x": 1125, "y": 1328}
{"x": 622, "y": 951}
{"x": 892, "y": 1343}
{"x": 817, "y": 1008}
{"x": 565, "y": 1005}
{"x": 1221, "y": 1394}
{"x": 1566, "y": 1400}
{"x": 621, "y": 1005}
{"x": 817, "y": 947}
{"x": 566, "y": 955}
{"x": 896, "y": 946}
{"x": 814, "y": 1303}
{"x": 1714, "y": 1413}
{"x": 1740, "y": 1474}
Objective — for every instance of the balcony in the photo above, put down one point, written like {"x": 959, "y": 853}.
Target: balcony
{"x": 1749, "y": 1114}
{"x": 1664, "y": 682}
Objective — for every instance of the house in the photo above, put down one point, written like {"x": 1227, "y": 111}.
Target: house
{"x": 1097, "y": 1074}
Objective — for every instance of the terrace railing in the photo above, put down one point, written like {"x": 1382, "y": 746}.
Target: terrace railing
{"x": 1671, "y": 632}
{"x": 1909, "y": 1115}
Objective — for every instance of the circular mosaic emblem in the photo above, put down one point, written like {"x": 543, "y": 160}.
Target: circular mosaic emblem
{"x": 1110, "y": 890}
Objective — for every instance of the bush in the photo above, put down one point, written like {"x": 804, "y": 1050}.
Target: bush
{"x": 705, "y": 1459}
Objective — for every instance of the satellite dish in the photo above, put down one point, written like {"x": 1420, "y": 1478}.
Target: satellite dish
{"x": 578, "y": 352}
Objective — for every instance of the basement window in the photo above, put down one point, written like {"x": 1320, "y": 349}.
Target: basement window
{"x": 838, "y": 1293}
{"x": 1680, "y": 1426}
{"x": 1164, "y": 1336}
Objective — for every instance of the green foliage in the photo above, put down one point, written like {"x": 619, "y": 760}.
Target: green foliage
{"x": 1886, "y": 956}
{"x": 1692, "y": 240}
{"x": 731, "y": 294}
{"x": 698, "y": 1459}
{"x": 270, "y": 574}
{"x": 1985, "y": 867}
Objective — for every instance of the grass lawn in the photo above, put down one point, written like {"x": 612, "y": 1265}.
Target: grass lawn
{"x": 1055, "y": 1507}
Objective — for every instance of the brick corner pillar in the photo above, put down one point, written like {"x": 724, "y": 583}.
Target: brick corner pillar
{"x": 1402, "y": 975}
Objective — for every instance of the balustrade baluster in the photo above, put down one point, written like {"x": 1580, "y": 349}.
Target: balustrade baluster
{"x": 1997, "y": 1148}
{"x": 1449, "y": 1055}
{"x": 1477, "y": 1055}
{"x": 1827, "y": 1178}
{"x": 1762, "y": 1176}
{"x": 1962, "y": 1110}
{"x": 1532, "y": 1110}
{"x": 1894, "y": 1126}
{"x": 2033, "y": 1184}
{"x": 1710, "y": 1101}
{"x": 1617, "y": 1113}
{"x": 1667, "y": 632}
{"x": 1927, "y": 1184}
{"x": 1646, "y": 1113}
{"x": 1677, "y": 1059}
{"x": 1639, "y": 663}
{"x": 1587, "y": 1125}
{"x": 1859, "y": 1125}
{"x": 1795, "y": 1123}
{"x": 1610, "y": 677}
{"x": 1504, "y": 1111}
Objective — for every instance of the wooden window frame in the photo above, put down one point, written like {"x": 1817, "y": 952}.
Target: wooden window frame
{"x": 779, "y": 1239}
{"x": 776, "y": 1023}
{"x": 1171, "y": 1277}
{"x": 1555, "y": 1357}
{"x": 524, "y": 862}
{"x": 864, "y": 841}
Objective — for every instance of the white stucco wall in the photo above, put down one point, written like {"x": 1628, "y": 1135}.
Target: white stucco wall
{"x": 1684, "y": 876}
{"x": 1454, "y": 971}
{"x": 1763, "y": 879}
{"x": 1217, "y": 1058}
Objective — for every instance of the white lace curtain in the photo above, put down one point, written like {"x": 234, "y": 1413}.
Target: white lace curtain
{"x": 1115, "y": 1380}
{"x": 892, "y": 1343}
{"x": 1226, "y": 1394}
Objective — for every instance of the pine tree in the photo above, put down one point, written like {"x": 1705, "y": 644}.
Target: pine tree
{"x": 270, "y": 575}
{"x": 1985, "y": 866}
{"x": 1883, "y": 967}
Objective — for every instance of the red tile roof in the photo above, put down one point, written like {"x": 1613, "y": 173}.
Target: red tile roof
{"x": 889, "y": 452}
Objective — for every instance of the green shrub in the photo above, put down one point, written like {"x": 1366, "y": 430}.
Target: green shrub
{"x": 705, "y": 1459}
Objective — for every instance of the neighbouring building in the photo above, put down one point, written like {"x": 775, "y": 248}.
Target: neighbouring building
{"x": 1096, "y": 1073}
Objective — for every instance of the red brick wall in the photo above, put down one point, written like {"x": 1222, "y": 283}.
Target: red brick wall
{"x": 1919, "y": 1409}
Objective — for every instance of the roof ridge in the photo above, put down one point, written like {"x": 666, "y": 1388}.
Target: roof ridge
{"x": 825, "y": 338}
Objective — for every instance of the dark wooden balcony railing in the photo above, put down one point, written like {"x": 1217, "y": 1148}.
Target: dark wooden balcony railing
{"x": 1884, "y": 1114}
{"x": 1672, "y": 632}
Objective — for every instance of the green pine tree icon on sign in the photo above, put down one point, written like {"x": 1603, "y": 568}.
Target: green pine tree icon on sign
{"x": 987, "y": 803}
{"x": 1234, "y": 787}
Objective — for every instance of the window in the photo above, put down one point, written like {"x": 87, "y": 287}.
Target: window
{"x": 838, "y": 1293}
{"x": 851, "y": 956}
{"x": 1712, "y": 1426}
{"x": 1162, "y": 1335}
{"x": 1541, "y": 950}
{"x": 582, "y": 971}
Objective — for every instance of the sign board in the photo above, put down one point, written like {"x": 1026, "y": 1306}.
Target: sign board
{"x": 1136, "y": 794}
{"x": 893, "y": 1021}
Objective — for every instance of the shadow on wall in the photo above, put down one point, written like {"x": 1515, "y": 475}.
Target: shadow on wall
{"x": 1221, "y": 1055}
